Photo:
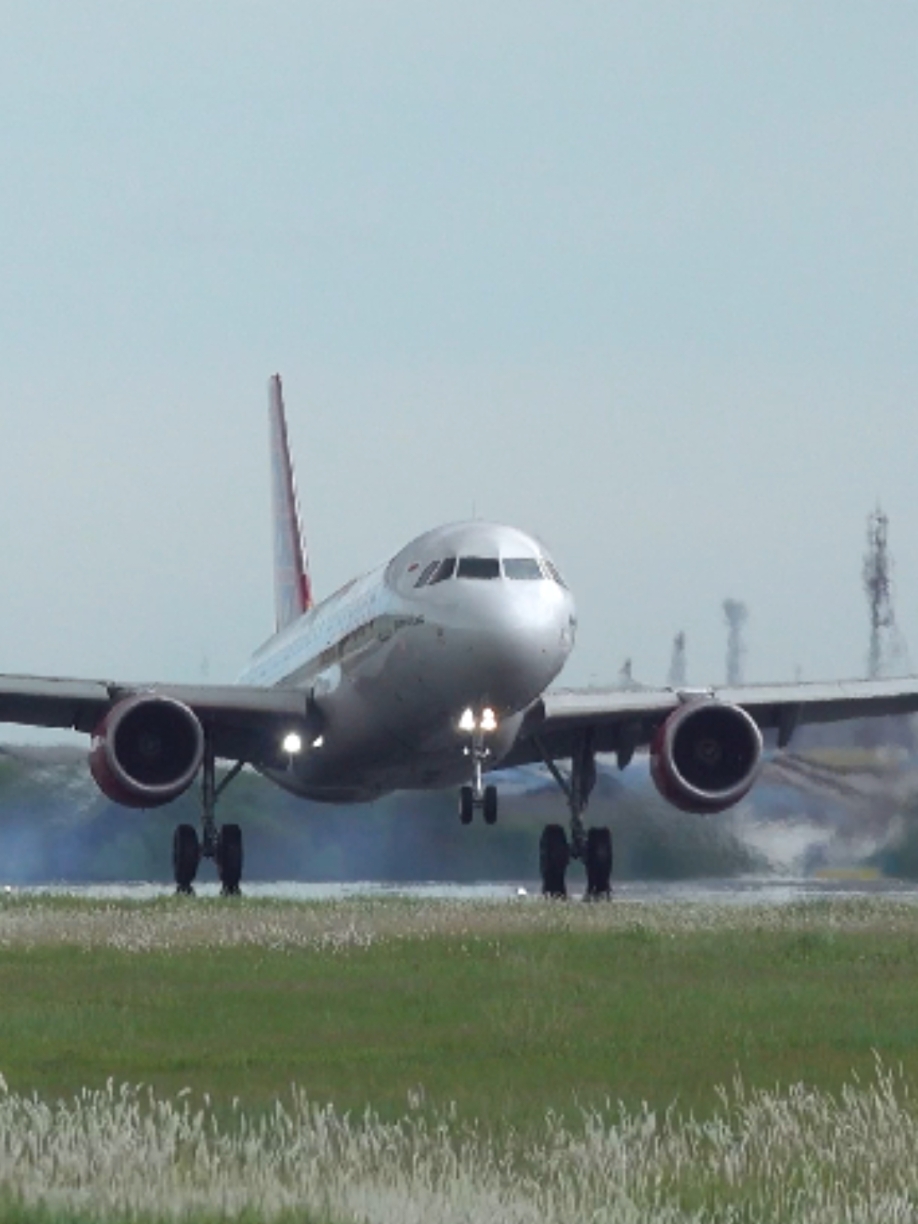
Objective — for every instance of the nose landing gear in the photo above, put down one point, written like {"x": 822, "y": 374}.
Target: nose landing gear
{"x": 478, "y": 796}
{"x": 484, "y": 800}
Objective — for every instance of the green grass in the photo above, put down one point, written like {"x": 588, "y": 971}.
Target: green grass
{"x": 550, "y": 1026}
{"x": 507, "y": 1023}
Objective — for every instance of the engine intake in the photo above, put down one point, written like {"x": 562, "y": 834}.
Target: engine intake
{"x": 706, "y": 756}
{"x": 146, "y": 751}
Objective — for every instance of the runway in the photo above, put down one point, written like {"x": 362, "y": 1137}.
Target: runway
{"x": 757, "y": 890}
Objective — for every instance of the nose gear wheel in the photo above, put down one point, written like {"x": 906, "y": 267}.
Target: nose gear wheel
{"x": 489, "y": 805}
{"x": 466, "y": 805}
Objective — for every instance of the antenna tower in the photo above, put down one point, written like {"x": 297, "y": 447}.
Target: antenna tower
{"x": 676, "y": 678}
{"x": 887, "y": 647}
{"x": 735, "y": 614}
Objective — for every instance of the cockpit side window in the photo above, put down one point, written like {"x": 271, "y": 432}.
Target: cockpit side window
{"x": 446, "y": 570}
{"x": 553, "y": 572}
{"x": 426, "y": 574}
{"x": 523, "y": 569}
{"x": 478, "y": 567}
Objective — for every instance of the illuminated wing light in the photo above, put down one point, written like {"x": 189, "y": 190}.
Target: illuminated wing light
{"x": 318, "y": 741}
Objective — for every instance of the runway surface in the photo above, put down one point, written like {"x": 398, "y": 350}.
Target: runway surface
{"x": 735, "y": 892}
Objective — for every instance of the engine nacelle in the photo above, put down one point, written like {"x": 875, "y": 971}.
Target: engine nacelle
{"x": 146, "y": 751}
{"x": 706, "y": 756}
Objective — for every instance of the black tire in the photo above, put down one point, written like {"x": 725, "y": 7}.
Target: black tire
{"x": 599, "y": 864}
{"x": 229, "y": 859}
{"x": 554, "y": 856}
{"x": 490, "y": 805}
{"x": 186, "y": 855}
{"x": 466, "y": 805}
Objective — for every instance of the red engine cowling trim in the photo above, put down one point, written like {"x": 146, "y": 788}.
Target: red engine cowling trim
{"x": 146, "y": 751}
{"x": 706, "y": 756}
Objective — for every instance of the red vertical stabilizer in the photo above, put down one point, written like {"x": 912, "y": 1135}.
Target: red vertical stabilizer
{"x": 292, "y": 588}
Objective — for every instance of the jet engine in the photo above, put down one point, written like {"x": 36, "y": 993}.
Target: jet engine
{"x": 706, "y": 756}
{"x": 146, "y": 751}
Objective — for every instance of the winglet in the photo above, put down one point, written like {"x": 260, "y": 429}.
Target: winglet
{"x": 292, "y": 588}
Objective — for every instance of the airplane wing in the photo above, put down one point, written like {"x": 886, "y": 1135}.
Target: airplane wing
{"x": 247, "y": 723}
{"x": 244, "y": 722}
{"x": 622, "y": 720}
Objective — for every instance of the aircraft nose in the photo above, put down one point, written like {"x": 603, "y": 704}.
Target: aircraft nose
{"x": 520, "y": 645}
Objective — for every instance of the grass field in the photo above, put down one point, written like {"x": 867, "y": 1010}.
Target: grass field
{"x": 391, "y": 1059}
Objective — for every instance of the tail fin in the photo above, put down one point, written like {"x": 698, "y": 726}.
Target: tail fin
{"x": 292, "y": 588}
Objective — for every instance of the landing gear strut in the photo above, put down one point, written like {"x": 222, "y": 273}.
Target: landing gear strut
{"x": 223, "y": 844}
{"x": 592, "y": 846}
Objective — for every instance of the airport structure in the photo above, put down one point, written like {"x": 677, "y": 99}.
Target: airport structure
{"x": 887, "y": 651}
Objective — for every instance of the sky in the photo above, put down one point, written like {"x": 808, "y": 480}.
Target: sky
{"x": 640, "y": 277}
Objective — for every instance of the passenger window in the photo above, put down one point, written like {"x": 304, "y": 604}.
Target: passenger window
{"x": 426, "y": 574}
{"x": 523, "y": 569}
{"x": 478, "y": 567}
{"x": 446, "y": 570}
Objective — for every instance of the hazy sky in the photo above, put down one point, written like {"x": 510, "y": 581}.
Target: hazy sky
{"x": 641, "y": 277}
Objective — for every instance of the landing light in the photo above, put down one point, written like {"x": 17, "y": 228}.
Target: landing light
{"x": 488, "y": 721}
{"x": 293, "y": 743}
{"x": 318, "y": 741}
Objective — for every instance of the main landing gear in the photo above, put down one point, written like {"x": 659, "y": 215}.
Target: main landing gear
{"x": 593, "y": 847}
{"x": 223, "y": 844}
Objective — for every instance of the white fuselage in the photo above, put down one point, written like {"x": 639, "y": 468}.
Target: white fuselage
{"x": 393, "y": 659}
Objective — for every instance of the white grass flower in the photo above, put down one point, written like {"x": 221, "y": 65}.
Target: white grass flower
{"x": 123, "y": 1152}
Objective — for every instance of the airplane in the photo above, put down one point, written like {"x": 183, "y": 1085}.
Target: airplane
{"x": 433, "y": 670}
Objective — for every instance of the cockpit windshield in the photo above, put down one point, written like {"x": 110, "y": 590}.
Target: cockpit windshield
{"x": 553, "y": 571}
{"x": 445, "y": 570}
{"x": 523, "y": 569}
{"x": 478, "y": 567}
{"x": 517, "y": 569}
{"x": 427, "y": 573}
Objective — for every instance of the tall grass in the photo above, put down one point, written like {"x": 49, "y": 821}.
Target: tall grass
{"x": 177, "y": 924}
{"x": 800, "y": 1154}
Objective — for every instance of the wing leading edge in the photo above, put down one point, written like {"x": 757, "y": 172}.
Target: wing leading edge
{"x": 243, "y": 723}
{"x": 624, "y": 720}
